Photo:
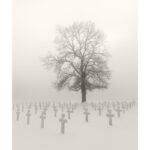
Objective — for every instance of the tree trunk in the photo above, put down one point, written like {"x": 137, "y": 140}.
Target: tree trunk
{"x": 83, "y": 88}
{"x": 83, "y": 95}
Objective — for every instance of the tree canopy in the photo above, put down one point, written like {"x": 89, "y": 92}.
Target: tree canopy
{"x": 81, "y": 58}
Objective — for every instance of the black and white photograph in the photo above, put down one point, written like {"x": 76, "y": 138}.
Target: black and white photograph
{"x": 74, "y": 75}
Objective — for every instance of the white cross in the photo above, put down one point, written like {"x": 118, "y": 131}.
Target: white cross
{"x": 69, "y": 111}
{"x": 18, "y": 114}
{"x": 55, "y": 111}
{"x": 62, "y": 107}
{"x": 22, "y": 107}
{"x": 62, "y": 120}
{"x": 86, "y": 115}
{"x": 123, "y": 108}
{"x": 36, "y": 109}
{"x": 42, "y": 117}
{"x": 28, "y": 116}
{"x": 118, "y": 111}
{"x": 110, "y": 116}
{"x": 100, "y": 110}
{"x": 40, "y": 105}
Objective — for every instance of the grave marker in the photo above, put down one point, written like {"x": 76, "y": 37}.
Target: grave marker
{"x": 86, "y": 115}
{"x": 42, "y": 117}
{"x": 36, "y": 109}
{"x": 123, "y": 109}
{"x": 62, "y": 120}
{"x": 100, "y": 110}
{"x": 28, "y": 117}
{"x": 22, "y": 107}
{"x": 118, "y": 111}
{"x": 18, "y": 115}
{"x": 110, "y": 116}
{"x": 62, "y": 108}
{"x": 55, "y": 111}
{"x": 69, "y": 111}
{"x": 40, "y": 106}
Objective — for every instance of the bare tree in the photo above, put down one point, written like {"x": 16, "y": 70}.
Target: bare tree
{"x": 81, "y": 59}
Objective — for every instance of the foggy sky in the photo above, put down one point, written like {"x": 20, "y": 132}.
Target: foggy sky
{"x": 34, "y": 28}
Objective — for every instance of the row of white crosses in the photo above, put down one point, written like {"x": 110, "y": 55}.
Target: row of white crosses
{"x": 99, "y": 108}
{"x": 69, "y": 107}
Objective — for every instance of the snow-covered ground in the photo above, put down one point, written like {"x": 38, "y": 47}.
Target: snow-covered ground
{"x": 79, "y": 135}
